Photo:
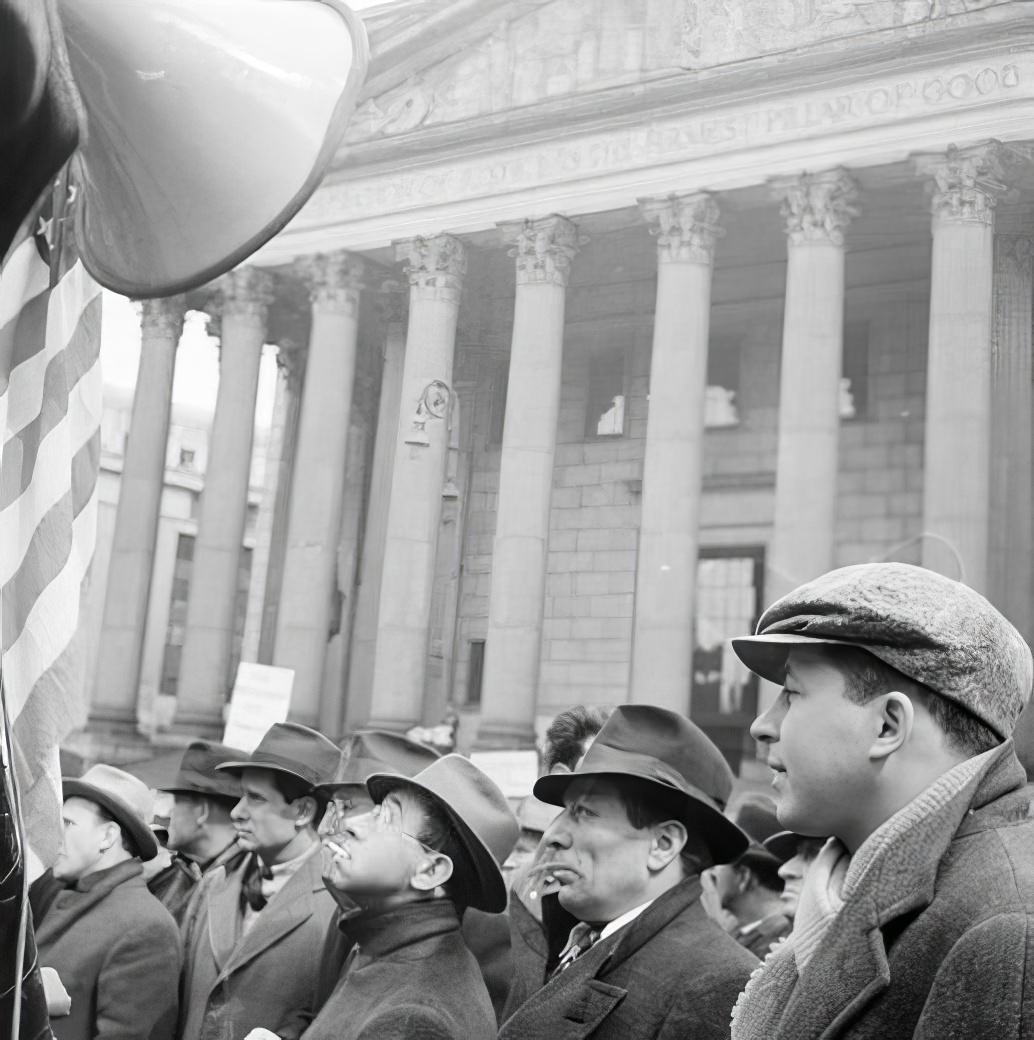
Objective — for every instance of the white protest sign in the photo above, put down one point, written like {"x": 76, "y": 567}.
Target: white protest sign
{"x": 514, "y": 771}
{"x": 261, "y": 696}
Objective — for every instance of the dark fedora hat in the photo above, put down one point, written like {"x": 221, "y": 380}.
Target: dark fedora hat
{"x": 783, "y": 845}
{"x": 126, "y": 798}
{"x": 199, "y": 773}
{"x": 296, "y": 750}
{"x": 481, "y": 817}
{"x": 370, "y": 751}
{"x": 676, "y": 756}
{"x": 756, "y": 815}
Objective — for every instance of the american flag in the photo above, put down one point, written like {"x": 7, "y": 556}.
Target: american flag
{"x": 50, "y": 408}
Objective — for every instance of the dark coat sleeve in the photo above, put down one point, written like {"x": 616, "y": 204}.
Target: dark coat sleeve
{"x": 137, "y": 987}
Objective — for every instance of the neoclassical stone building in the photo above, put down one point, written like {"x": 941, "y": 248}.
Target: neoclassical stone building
{"x": 614, "y": 320}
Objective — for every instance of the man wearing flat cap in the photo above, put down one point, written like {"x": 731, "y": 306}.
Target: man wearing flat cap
{"x": 642, "y": 817}
{"x": 428, "y": 847}
{"x": 891, "y": 736}
{"x": 254, "y": 938}
{"x": 115, "y": 948}
{"x": 202, "y": 836}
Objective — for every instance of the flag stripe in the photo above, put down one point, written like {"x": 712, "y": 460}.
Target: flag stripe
{"x": 52, "y": 621}
{"x": 28, "y": 379}
{"x": 65, "y": 370}
{"x": 51, "y": 477}
{"x": 51, "y": 543}
{"x": 26, "y": 276}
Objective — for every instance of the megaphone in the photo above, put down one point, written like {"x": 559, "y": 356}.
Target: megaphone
{"x": 208, "y": 125}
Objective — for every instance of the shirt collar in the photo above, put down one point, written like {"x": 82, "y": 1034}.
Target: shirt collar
{"x": 626, "y": 918}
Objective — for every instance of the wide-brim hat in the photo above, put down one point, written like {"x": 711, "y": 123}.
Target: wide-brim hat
{"x": 934, "y": 630}
{"x": 296, "y": 750}
{"x": 377, "y": 751}
{"x": 671, "y": 753}
{"x": 199, "y": 773}
{"x": 756, "y": 815}
{"x": 128, "y": 800}
{"x": 481, "y": 818}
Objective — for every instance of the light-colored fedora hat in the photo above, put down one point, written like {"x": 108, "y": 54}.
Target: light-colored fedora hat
{"x": 129, "y": 800}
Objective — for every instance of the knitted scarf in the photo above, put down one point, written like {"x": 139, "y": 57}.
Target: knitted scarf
{"x": 831, "y": 880}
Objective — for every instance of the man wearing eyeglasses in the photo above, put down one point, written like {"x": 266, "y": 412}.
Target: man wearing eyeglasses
{"x": 426, "y": 849}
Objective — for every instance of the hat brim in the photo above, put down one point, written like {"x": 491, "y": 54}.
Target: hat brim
{"x": 237, "y": 768}
{"x": 783, "y": 845}
{"x": 766, "y": 655}
{"x": 725, "y": 840}
{"x": 139, "y": 833}
{"x": 486, "y": 889}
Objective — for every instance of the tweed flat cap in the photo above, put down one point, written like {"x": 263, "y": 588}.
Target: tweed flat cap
{"x": 932, "y": 629}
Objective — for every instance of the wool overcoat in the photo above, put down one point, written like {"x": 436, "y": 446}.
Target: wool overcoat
{"x": 671, "y": 974}
{"x": 269, "y": 977}
{"x": 937, "y": 942}
{"x": 117, "y": 950}
{"x": 410, "y": 977}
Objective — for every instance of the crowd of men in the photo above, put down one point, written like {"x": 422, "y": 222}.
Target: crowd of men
{"x": 375, "y": 890}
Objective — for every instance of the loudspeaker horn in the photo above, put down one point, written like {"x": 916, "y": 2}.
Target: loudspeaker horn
{"x": 208, "y": 125}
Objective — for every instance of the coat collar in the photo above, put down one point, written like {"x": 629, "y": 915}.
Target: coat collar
{"x": 902, "y": 881}
{"x": 381, "y": 933}
{"x": 290, "y": 907}
{"x": 73, "y": 902}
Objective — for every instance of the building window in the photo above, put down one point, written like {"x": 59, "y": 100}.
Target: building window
{"x": 605, "y": 416}
{"x": 187, "y": 458}
{"x": 854, "y": 382}
{"x": 176, "y": 631}
{"x": 723, "y": 382}
{"x": 475, "y": 672}
{"x": 728, "y": 602}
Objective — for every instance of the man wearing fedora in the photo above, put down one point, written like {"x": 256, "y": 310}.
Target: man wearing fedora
{"x": 642, "y": 817}
{"x": 429, "y": 847}
{"x": 891, "y": 734}
{"x": 202, "y": 836}
{"x": 254, "y": 938}
{"x": 114, "y": 947}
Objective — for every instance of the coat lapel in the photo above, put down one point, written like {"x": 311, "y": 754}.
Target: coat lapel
{"x": 224, "y": 915}
{"x": 290, "y": 907}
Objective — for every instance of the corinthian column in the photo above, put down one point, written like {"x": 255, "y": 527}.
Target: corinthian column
{"x": 956, "y": 478}
{"x": 662, "y": 639}
{"x": 309, "y": 581}
{"x": 817, "y": 208}
{"x": 243, "y": 299}
{"x": 543, "y": 251}
{"x": 1010, "y": 505}
{"x": 435, "y": 268}
{"x": 136, "y": 517}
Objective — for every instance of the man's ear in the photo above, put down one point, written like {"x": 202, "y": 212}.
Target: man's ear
{"x": 432, "y": 871}
{"x": 669, "y": 838}
{"x": 895, "y": 720}
{"x": 205, "y": 808}
{"x": 111, "y": 836}
{"x": 305, "y": 811}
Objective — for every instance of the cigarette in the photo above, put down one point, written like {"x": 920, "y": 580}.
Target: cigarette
{"x": 334, "y": 847}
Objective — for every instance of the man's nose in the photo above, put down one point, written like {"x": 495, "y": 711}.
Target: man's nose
{"x": 765, "y": 728}
{"x": 238, "y": 811}
{"x": 558, "y": 835}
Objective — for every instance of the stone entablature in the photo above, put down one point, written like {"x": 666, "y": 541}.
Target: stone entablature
{"x": 571, "y": 48}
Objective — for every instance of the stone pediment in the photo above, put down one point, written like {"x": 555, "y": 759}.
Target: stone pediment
{"x": 538, "y": 52}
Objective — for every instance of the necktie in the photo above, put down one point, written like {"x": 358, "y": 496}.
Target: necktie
{"x": 251, "y": 888}
{"x": 583, "y": 935}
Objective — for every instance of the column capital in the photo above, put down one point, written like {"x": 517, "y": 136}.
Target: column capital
{"x": 334, "y": 280}
{"x": 686, "y": 227}
{"x": 245, "y": 292}
{"x": 817, "y": 207}
{"x": 434, "y": 266}
{"x": 543, "y": 249}
{"x": 163, "y": 317}
{"x": 966, "y": 182}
